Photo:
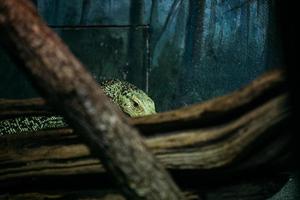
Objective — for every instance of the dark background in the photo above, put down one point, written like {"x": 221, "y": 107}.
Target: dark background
{"x": 179, "y": 51}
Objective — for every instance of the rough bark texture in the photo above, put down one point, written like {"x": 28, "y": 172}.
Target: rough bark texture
{"x": 199, "y": 149}
{"x": 252, "y": 139}
{"x": 208, "y": 113}
{"x": 67, "y": 86}
{"x": 248, "y": 134}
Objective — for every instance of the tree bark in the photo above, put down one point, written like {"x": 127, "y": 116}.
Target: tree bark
{"x": 69, "y": 88}
{"x": 241, "y": 144}
{"x": 213, "y": 112}
{"x": 213, "y": 137}
{"x": 255, "y": 142}
{"x": 246, "y": 131}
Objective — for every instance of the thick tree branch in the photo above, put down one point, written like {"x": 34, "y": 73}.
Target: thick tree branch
{"x": 69, "y": 88}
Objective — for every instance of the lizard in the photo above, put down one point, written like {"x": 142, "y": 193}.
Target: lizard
{"x": 130, "y": 99}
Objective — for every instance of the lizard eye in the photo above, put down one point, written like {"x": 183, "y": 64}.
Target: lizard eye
{"x": 135, "y": 104}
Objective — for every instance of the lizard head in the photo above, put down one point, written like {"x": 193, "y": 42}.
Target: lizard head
{"x": 136, "y": 103}
{"x": 132, "y": 100}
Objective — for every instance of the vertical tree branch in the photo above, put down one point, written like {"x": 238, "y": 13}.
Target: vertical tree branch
{"x": 70, "y": 89}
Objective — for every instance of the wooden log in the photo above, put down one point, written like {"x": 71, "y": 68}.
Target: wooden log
{"x": 68, "y": 87}
{"x": 10, "y": 108}
{"x": 212, "y": 112}
{"x": 197, "y": 147}
{"x": 254, "y": 135}
{"x": 200, "y": 147}
{"x": 217, "y": 110}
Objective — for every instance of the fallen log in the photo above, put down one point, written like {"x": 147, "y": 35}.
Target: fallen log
{"x": 256, "y": 140}
{"x": 203, "y": 148}
{"x": 212, "y": 112}
{"x": 230, "y": 143}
